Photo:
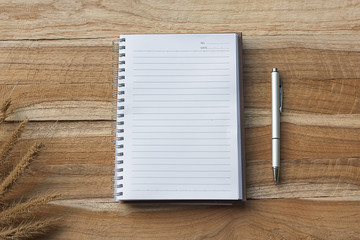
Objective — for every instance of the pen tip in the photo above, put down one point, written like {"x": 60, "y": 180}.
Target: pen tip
{"x": 274, "y": 69}
{"x": 276, "y": 175}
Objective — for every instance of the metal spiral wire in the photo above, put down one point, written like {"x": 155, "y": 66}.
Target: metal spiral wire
{"x": 118, "y": 110}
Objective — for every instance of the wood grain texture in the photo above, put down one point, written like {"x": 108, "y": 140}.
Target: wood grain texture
{"x": 329, "y": 171}
{"x": 94, "y": 19}
{"x": 264, "y": 219}
{"x": 58, "y": 56}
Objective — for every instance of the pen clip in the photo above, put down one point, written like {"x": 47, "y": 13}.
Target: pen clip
{"x": 281, "y": 95}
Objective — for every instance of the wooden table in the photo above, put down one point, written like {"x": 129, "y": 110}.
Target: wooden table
{"x": 59, "y": 55}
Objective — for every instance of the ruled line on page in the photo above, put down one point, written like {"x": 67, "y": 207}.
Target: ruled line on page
{"x": 185, "y": 100}
{"x": 188, "y": 119}
{"x": 186, "y": 107}
{"x": 187, "y": 126}
{"x": 184, "y": 164}
{"x": 177, "y": 113}
{"x": 187, "y": 138}
{"x": 140, "y": 177}
{"x": 182, "y": 145}
{"x": 171, "y": 151}
{"x": 181, "y": 57}
{"x": 180, "y": 69}
{"x": 154, "y": 170}
{"x": 173, "y": 88}
{"x": 183, "y": 94}
{"x": 216, "y": 48}
{"x": 218, "y": 43}
{"x": 178, "y": 132}
{"x": 192, "y": 81}
{"x": 177, "y": 190}
{"x": 200, "y": 184}
{"x": 186, "y": 158}
{"x": 179, "y": 63}
{"x": 187, "y": 51}
{"x": 181, "y": 75}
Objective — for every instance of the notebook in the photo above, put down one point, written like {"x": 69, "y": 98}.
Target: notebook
{"x": 179, "y": 117}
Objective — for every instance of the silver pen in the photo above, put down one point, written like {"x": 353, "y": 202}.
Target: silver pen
{"x": 276, "y": 108}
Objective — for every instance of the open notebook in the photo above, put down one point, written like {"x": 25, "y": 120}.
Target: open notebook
{"x": 179, "y": 117}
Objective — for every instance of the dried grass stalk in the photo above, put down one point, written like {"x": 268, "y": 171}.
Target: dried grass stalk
{"x": 19, "y": 168}
{"x": 11, "y": 213}
{"x": 12, "y": 225}
{"x": 25, "y": 230}
{"x": 9, "y": 145}
{"x": 3, "y": 109}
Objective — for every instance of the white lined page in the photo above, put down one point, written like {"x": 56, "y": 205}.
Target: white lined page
{"x": 180, "y": 124}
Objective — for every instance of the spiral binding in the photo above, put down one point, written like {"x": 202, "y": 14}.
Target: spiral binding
{"x": 118, "y": 110}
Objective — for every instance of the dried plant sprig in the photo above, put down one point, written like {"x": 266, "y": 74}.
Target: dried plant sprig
{"x": 4, "y": 108}
{"x": 11, "y": 213}
{"x": 19, "y": 168}
{"x": 26, "y": 230}
{"x": 10, "y": 143}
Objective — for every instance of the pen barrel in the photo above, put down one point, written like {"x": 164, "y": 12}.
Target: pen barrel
{"x": 275, "y": 104}
{"x": 275, "y": 152}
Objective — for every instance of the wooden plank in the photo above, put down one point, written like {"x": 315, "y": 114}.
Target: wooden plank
{"x": 76, "y": 84}
{"x": 317, "y": 161}
{"x": 93, "y": 19}
{"x": 269, "y": 219}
